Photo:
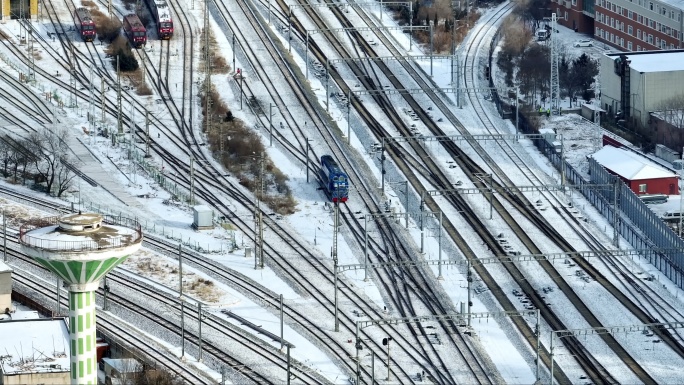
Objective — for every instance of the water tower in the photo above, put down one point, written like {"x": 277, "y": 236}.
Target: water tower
{"x": 81, "y": 249}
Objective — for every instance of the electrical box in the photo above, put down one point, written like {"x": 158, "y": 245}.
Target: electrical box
{"x": 202, "y": 217}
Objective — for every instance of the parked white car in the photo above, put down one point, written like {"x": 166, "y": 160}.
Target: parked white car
{"x": 583, "y": 43}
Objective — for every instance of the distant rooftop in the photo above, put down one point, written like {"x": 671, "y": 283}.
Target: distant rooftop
{"x": 34, "y": 346}
{"x": 630, "y": 165}
{"x": 653, "y": 61}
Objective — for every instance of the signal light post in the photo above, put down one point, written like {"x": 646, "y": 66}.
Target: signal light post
{"x": 386, "y": 341}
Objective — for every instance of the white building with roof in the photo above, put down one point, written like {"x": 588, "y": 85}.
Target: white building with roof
{"x": 35, "y": 351}
{"x": 637, "y": 83}
{"x": 639, "y": 173}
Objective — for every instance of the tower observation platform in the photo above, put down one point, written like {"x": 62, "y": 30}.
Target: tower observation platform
{"x": 80, "y": 249}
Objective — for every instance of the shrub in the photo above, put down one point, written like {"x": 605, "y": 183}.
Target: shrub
{"x": 108, "y": 29}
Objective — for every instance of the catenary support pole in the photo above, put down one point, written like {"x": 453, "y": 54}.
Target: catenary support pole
{"x": 199, "y": 339}
{"x": 4, "y": 236}
{"x": 365, "y": 247}
{"x": 105, "y": 291}
{"x": 281, "y": 322}
{"x": 289, "y": 374}
{"x": 337, "y": 321}
{"x": 180, "y": 270}
{"x": 182, "y": 322}
{"x": 59, "y": 297}
{"x": 440, "y": 277}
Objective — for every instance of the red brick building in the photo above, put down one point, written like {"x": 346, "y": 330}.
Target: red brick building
{"x": 631, "y": 25}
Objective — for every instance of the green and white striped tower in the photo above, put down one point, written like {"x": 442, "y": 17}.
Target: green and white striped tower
{"x": 81, "y": 249}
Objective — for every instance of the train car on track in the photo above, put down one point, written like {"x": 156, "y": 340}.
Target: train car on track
{"x": 135, "y": 30}
{"x": 84, "y": 24}
{"x": 158, "y": 12}
{"x": 335, "y": 181}
{"x": 162, "y": 17}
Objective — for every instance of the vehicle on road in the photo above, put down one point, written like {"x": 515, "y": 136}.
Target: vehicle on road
{"x": 542, "y": 34}
{"x": 335, "y": 181}
{"x": 583, "y": 43}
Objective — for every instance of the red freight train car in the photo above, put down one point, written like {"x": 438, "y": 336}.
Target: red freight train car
{"x": 84, "y": 24}
{"x": 135, "y": 30}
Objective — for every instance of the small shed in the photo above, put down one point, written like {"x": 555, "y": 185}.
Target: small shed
{"x": 589, "y": 111}
{"x": 5, "y": 287}
{"x": 639, "y": 173}
{"x": 202, "y": 217}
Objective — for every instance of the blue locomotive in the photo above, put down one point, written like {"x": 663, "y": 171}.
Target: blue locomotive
{"x": 335, "y": 181}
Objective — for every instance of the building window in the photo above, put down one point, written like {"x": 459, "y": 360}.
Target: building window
{"x": 630, "y": 14}
{"x": 630, "y": 30}
{"x": 650, "y": 5}
{"x": 612, "y": 22}
{"x": 642, "y": 188}
{"x": 597, "y": 32}
{"x": 638, "y": 34}
{"x": 672, "y": 46}
{"x": 566, "y": 15}
{"x": 629, "y": 45}
{"x": 612, "y": 7}
{"x": 640, "y": 19}
{"x": 663, "y": 44}
{"x": 651, "y": 23}
{"x": 622, "y": 42}
{"x": 638, "y": 48}
{"x": 607, "y": 5}
{"x": 574, "y": 2}
{"x": 657, "y": 41}
{"x": 650, "y": 39}
{"x": 619, "y": 10}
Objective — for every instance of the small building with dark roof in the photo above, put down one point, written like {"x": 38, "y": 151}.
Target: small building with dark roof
{"x": 639, "y": 173}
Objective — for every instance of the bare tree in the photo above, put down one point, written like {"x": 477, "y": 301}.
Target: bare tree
{"x": 6, "y": 152}
{"x": 672, "y": 110}
{"x": 51, "y": 152}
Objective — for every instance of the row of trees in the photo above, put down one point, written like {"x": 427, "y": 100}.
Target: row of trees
{"x": 43, "y": 156}
{"x": 528, "y": 64}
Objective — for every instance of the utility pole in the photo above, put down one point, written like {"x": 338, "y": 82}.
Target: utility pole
{"x": 105, "y": 290}
{"x": 261, "y": 222}
{"x": 616, "y": 221}
{"x": 102, "y": 99}
{"x": 118, "y": 97}
{"x": 4, "y": 236}
{"x": 281, "y": 322}
{"x": 306, "y": 139}
{"x": 72, "y": 79}
{"x": 207, "y": 70}
{"x": 199, "y": 339}
{"x": 258, "y": 220}
{"x": 59, "y": 297}
{"x": 555, "y": 85}
{"x": 142, "y": 59}
{"x": 147, "y": 134}
{"x": 192, "y": 180}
